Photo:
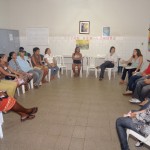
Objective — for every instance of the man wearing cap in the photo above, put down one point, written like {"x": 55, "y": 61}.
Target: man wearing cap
{"x": 25, "y": 65}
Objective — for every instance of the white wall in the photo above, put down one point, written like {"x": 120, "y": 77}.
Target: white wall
{"x": 128, "y": 19}
{"x": 66, "y": 45}
{"x": 4, "y": 14}
{"x": 125, "y": 17}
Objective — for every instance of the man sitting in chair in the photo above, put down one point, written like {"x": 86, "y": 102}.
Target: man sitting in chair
{"x": 138, "y": 121}
{"x": 77, "y": 58}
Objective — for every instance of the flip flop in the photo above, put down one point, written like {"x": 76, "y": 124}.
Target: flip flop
{"x": 29, "y": 117}
{"x": 34, "y": 111}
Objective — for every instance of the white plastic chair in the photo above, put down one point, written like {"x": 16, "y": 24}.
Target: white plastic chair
{"x": 1, "y": 123}
{"x": 23, "y": 89}
{"x": 91, "y": 65}
{"x": 143, "y": 139}
{"x": 109, "y": 70}
{"x": 49, "y": 75}
{"x": 61, "y": 63}
{"x": 76, "y": 68}
{"x": 30, "y": 84}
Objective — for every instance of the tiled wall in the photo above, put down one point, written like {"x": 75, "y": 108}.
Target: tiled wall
{"x": 97, "y": 46}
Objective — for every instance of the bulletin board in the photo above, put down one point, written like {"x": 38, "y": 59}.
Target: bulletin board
{"x": 37, "y": 36}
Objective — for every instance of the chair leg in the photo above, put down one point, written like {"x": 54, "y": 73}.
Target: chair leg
{"x": 114, "y": 74}
{"x": 96, "y": 70}
{"x": 58, "y": 75}
{"x": 62, "y": 70}
{"x": 109, "y": 73}
{"x": 18, "y": 91}
{"x": 23, "y": 89}
{"x": 81, "y": 73}
{"x": 1, "y": 131}
{"x": 49, "y": 75}
{"x": 71, "y": 73}
{"x": 1, "y": 122}
{"x": 128, "y": 133}
{"x": 87, "y": 72}
{"x": 1, "y": 117}
{"x": 66, "y": 71}
{"x": 31, "y": 83}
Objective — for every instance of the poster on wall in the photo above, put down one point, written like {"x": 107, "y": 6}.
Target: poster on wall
{"x": 83, "y": 44}
{"x": 11, "y": 37}
{"x": 106, "y": 31}
{"x": 84, "y": 27}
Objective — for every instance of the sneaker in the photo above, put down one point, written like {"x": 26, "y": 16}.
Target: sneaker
{"x": 139, "y": 144}
{"x": 134, "y": 100}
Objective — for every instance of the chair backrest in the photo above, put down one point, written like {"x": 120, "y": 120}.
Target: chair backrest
{"x": 148, "y": 140}
{"x": 91, "y": 61}
{"x": 30, "y": 63}
{"x": 59, "y": 59}
{"x": 1, "y": 118}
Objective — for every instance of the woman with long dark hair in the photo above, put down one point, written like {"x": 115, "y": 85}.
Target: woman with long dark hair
{"x": 135, "y": 63}
{"x": 7, "y": 73}
{"x": 12, "y": 60}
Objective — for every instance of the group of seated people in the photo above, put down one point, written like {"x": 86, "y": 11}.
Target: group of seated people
{"x": 17, "y": 70}
{"x": 138, "y": 87}
{"x": 21, "y": 69}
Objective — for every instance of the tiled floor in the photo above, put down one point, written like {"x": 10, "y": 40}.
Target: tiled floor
{"x": 74, "y": 114}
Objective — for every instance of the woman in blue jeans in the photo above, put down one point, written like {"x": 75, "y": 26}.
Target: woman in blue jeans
{"x": 136, "y": 61}
{"x": 135, "y": 78}
{"x": 49, "y": 60}
{"x": 110, "y": 60}
{"x": 138, "y": 121}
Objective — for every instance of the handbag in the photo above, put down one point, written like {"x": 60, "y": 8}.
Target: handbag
{"x": 9, "y": 78}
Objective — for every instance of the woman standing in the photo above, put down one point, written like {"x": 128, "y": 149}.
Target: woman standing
{"x": 110, "y": 61}
{"x": 77, "y": 58}
{"x": 135, "y": 65}
{"x": 49, "y": 60}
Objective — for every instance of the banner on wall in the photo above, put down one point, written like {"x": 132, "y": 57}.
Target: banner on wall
{"x": 149, "y": 41}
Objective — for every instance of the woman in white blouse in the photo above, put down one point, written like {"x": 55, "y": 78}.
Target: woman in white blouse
{"x": 110, "y": 60}
{"x": 50, "y": 63}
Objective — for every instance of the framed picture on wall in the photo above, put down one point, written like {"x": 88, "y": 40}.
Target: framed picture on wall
{"x": 84, "y": 27}
{"x": 106, "y": 31}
